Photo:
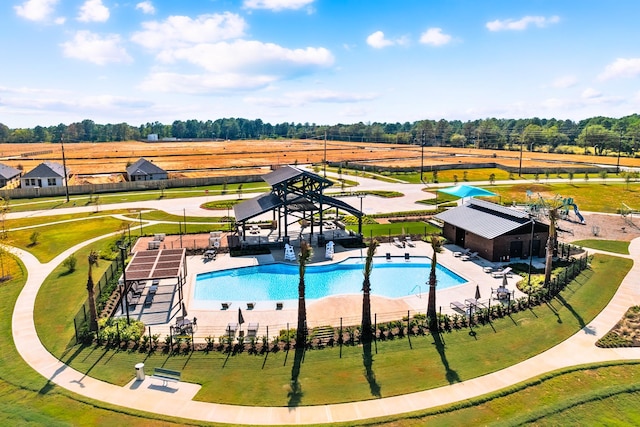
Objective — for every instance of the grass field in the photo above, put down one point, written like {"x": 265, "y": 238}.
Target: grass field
{"x": 614, "y": 246}
{"x": 397, "y": 370}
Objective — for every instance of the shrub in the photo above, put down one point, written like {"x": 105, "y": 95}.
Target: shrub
{"x": 70, "y": 263}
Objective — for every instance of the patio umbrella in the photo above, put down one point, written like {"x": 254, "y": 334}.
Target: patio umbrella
{"x": 463, "y": 191}
{"x": 477, "y": 292}
{"x": 240, "y": 318}
{"x": 504, "y": 281}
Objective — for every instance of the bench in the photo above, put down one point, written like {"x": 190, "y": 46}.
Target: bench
{"x": 458, "y": 306}
{"x": 166, "y": 375}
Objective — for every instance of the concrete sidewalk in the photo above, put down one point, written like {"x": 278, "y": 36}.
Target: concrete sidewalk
{"x": 177, "y": 401}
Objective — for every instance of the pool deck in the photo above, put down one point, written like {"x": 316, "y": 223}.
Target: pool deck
{"x": 213, "y": 320}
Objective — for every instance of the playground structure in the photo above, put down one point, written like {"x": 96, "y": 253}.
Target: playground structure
{"x": 564, "y": 210}
{"x": 538, "y": 207}
{"x": 627, "y": 214}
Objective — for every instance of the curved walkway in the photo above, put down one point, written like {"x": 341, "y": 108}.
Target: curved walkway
{"x": 578, "y": 349}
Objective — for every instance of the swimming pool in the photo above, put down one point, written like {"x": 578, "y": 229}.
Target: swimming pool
{"x": 393, "y": 278}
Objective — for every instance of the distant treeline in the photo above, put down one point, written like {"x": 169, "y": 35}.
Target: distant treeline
{"x": 599, "y": 134}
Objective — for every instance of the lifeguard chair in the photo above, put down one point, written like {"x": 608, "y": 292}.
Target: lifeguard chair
{"x": 329, "y": 250}
{"x": 289, "y": 253}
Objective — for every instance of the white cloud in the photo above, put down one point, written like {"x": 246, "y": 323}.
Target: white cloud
{"x": 621, "y": 67}
{"x": 378, "y": 41}
{"x": 88, "y": 46}
{"x": 203, "y": 83}
{"x": 276, "y": 5}
{"x": 522, "y": 23}
{"x": 435, "y": 37}
{"x": 302, "y": 98}
{"x": 177, "y": 31}
{"x": 146, "y": 7}
{"x": 564, "y": 82}
{"x": 249, "y": 55}
{"x": 93, "y": 11}
{"x": 591, "y": 93}
{"x": 36, "y": 10}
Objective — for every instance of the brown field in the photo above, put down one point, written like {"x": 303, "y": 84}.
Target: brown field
{"x": 215, "y": 158}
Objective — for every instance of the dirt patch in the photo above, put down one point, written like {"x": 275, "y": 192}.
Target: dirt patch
{"x": 598, "y": 226}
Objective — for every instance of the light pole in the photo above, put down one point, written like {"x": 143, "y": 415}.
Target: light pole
{"x": 422, "y": 156}
{"x": 520, "y": 167}
{"x": 64, "y": 168}
{"x": 619, "y": 148}
{"x": 124, "y": 278}
{"x": 533, "y": 224}
{"x": 360, "y": 196}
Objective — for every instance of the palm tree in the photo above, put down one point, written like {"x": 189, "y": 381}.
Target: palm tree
{"x": 93, "y": 313}
{"x": 305, "y": 255}
{"x": 366, "y": 291}
{"x": 436, "y": 245}
{"x": 552, "y": 214}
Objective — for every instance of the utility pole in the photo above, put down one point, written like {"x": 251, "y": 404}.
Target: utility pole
{"x": 64, "y": 167}
{"x": 619, "y": 148}
{"x": 325, "y": 154}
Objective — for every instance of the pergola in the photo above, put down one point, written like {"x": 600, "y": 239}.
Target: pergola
{"x": 296, "y": 193}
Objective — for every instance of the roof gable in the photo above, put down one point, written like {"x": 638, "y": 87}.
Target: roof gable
{"x": 46, "y": 170}
{"x": 8, "y": 172}
{"x": 143, "y": 166}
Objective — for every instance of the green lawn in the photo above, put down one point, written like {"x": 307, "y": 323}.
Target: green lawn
{"x": 595, "y": 197}
{"x": 398, "y": 367}
{"x": 615, "y": 246}
{"x": 54, "y": 239}
{"x": 27, "y": 398}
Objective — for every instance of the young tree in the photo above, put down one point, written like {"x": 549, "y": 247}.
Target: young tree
{"x": 570, "y": 176}
{"x": 303, "y": 259}
{"x": 366, "y": 292}
{"x": 93, "y": 313}
{"x": 492, "y": 178}
{"x": 70, "y": 263}
{"x": 432, "y": 317}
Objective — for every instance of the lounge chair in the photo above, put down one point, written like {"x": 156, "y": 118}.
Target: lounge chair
{"x": 231, "y": 328}
{"x": 502, "y": 273}
{"x": 468, "y": 257}
{"x": 251, "y": 305}
{"x": 458, "y": 306}
{"x": 252, "y": 330}
{"x": 458, "y": 254}
{"x": 279, "y": 306}
{"x": 225, "y": 305}
{"x": 397, "y": 242}
{"x": 410, "y": 242}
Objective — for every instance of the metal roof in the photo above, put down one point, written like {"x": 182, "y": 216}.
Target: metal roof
{"x": 156, "y": 264}
{"x": 254, "y": 207}
{"x": 269, "y": 201}
{"x": 485, "y": 219}
{"x": 287, "y": 173}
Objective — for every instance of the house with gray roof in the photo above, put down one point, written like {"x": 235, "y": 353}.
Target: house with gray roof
{"x": 496, "y": 232}
{"x": 46, "y": 174}
{"x": 9, "y": 177}
{"x": 144, "y": 170}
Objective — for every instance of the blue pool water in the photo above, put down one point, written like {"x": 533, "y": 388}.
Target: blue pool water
{"x": 276, "y": 282}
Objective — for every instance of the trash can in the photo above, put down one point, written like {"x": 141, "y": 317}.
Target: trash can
{"x": 140, "y": 371}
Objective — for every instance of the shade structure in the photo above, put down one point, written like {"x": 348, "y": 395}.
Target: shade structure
{"x": 463, "y": 191}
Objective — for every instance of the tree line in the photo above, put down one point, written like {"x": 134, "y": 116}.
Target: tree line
{"x": 597, "y": 134}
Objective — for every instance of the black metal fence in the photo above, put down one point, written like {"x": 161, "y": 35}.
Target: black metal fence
{"x": 102, "y": 291}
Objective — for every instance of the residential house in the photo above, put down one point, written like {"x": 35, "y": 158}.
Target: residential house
{"x": 144, "y": 170}
{"x": 46, "y": 174}
{"x": 9, "y": 177}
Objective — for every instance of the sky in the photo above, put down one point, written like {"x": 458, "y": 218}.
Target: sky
{"x": 316, "y": 61}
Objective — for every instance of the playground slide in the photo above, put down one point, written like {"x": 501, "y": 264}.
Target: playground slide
{"x": 577, "y": 212}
